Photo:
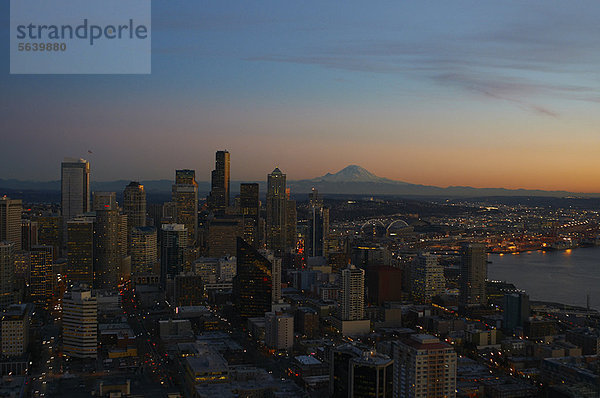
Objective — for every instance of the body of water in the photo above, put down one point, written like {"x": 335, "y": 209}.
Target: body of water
{"x": 559, "y": 276}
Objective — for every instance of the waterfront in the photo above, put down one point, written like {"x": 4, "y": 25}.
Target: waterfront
{"x": 558, "y": 276}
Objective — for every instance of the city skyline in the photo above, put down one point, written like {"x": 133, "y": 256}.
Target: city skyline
{"x": 404, "y": 90}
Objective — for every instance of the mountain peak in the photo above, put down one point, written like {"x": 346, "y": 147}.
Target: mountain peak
{"x": 351, "y": 173}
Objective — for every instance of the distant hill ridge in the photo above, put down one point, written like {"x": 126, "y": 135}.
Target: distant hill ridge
{"x": 351, "y": 180}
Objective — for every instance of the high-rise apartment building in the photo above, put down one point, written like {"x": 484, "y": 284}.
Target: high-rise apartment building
{"x": 218, "y": 199}
{"x": 80, "y": 250}
{"x": 185, "y": 197}
{"x": 276, "y": 211}
{"x": 107, "y": 253}
{"x": 250, "y": 211}
{"x": 10, "y": 220}
{"x": 75, "y": 187}
{"x": 352, "y": 294}
{"x": 424, "y": 367}
{"x": 427, "y": 278}
{"x": 144, "y": 250}
{"x": 7, "y": 273}
{"x": 80, "y": 323}
{"x": 279, "y": 331}
{"x": 253, "y": 284}
{"x": 173, "y": 246}
{"x": 473, "y": 272}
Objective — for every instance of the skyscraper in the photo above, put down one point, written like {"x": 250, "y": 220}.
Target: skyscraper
{"x": 107, "y": 259}
{"x": 276, "y": 212}
{"x": 473, "y": 272}
{"x": 516, "y": 310}
{"x": 173, "y": 246}
{"x": 185, "y": 196}
{"x": 50, "y": 232}
{"x": 75, "y": 187}
{"x": 80, "y": 250}
{"x": 250, "y": 210}
{"x": 144, "y": 250}
{"x": 10, "y": 221}
{"x": 40, "y": 274}
{"x": 7, "y": 273}
{"x": 80, "y": 323}
{"x": 29, "y": 234}
{"x": 424, "y": 367}
{"x": 253, "y": 284}
{"x": 352, "y": 293}
{"x": 218, "y": 199}
{"x": 427, "y": 278}
{"x": 134, "y": 204}
{"x": 318, "y": 225}
{"x": 291, "y": 219}
{"x": 371, "y": 375}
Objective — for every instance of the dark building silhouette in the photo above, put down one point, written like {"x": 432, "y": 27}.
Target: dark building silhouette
{"x": 276, "y": 212}
{"x": 253, "y": 284}
{"x": 218, "y": 199}
{"x": 473, "y": 272}
{"x": 384, "y": 284}
{"x": 185, "y": 198}
{"x": 250, "y": 211}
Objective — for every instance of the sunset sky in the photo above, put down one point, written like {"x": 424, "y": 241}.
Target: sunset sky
{"x": 479, "y": 93}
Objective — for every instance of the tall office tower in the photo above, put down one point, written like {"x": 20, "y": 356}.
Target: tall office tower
{"x": 185, "y": 196}
{"x": 352, "y": 292}
{"x": 50, "y": 232}
{"x": 253, "y": 284}
{"x": 7, "y": 273}
{"x": 29, "y": 234}
{"x": 218, "y": 199}
{"x": 123, "y": 245}
{"x": 318, "y": 225}
{"x": 75, "y": 187}
{"x": 40, "y": 274}
{"x": 173, "y": 247}
{"x": 250, "y": 211}
{"x": 80, "y": 250}
{"x": 10, "y": 220}
{"x": 279, "y": 331}
{"x": 223, "y": 232}
{"x": 516, "y": 310}
{"x": 371, "y": 375}
{"x": 80, "y": 323}
{"x": 15, "y": 330}
{"x": 424, "y": 367}
{"x": 134, "y": 204}
{"x": 144, "y": 250}
{"x": 107, "y": 259}
{"x": 276, "y": 212}
{"x": 339, "y": 369}
{"x": 427, "y": 278}
{"x": 291, "y": 217}
{"x": 473, "y": 272}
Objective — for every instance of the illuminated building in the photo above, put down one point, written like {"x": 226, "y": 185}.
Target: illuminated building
{"x": 424, "y": 367}
{"x": 185, "y": 197}
{"x": 75, "y": 187}
{"x": 134, "y": 204}
{"x": 15, "y": 330}
{"x": 80, "y": 323}
{"x": 250, "y": 211}
{"x": 10, "y": 221}
{"x": 473, "y": 272}
{"x": 40, "y": 274}
{"x": 144, "y": 250}
{"x": 80, "y": 250}
{"x": 50, "y": 232}
{"x": 173, "y": 247}
{"x": 223, "y": 232}
{"x": 107, "y": 251}
{"x": 218, "y": 200}
{"x": 7, "y": 273}
{"x": 427, "y": 278}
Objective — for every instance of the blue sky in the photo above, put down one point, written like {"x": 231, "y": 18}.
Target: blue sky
{"x": 434, "y": 92}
